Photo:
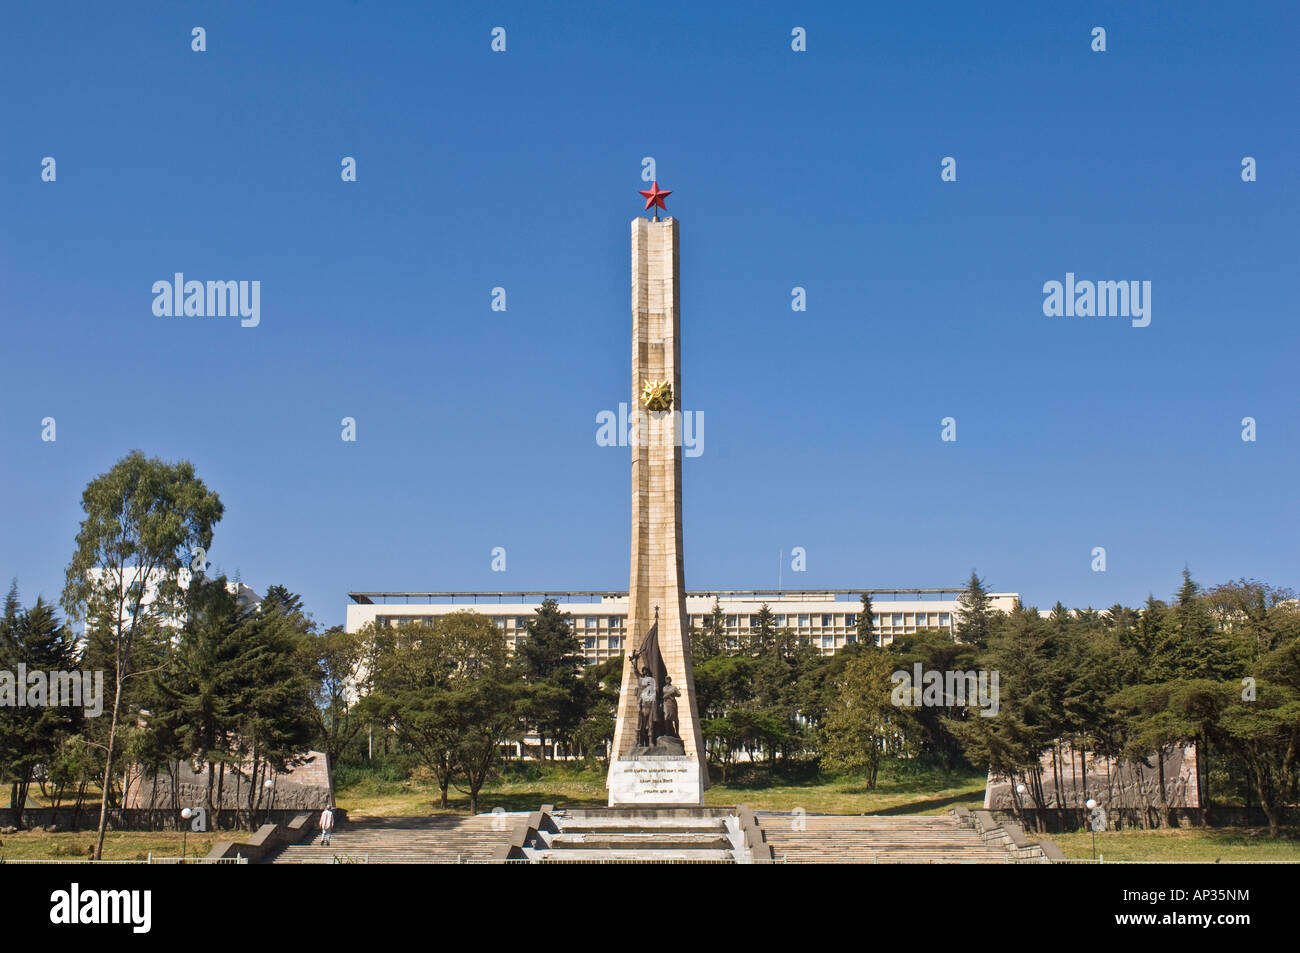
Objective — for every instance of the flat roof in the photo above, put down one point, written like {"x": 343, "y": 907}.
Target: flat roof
{"x": 370, "y": 598}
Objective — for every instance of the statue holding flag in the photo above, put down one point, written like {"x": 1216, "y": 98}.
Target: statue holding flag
{"x": 651, "y": 675}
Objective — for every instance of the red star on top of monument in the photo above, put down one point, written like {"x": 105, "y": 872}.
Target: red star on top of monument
{"x": 655, "y": 197}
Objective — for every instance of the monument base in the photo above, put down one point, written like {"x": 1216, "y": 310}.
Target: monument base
{"x": 664, "y": 780}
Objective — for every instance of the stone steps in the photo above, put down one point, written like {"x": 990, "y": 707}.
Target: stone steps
{"x": 637, "y": 856}
{"x": 650, "y": 835}
{"x": 880, "y": 840}
{"x": 405, "y": 840}
{"x": 655, "y": 836}
{"x": 654, "y": 826}
{"x": 642, "y": 840}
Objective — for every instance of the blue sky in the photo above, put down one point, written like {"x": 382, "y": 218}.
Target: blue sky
{"x": 820, "y": 169}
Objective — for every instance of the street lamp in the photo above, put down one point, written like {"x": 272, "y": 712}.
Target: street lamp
{"x": 186, "y": 814}
{"x": 1091, "y": 805}
{"x": 1020, "y": 810}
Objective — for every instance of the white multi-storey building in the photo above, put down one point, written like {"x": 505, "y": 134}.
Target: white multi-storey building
{"x": 248, "y": 598}
{"x": 827, "y": 617}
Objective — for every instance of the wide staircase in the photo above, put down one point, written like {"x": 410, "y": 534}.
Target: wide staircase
{"x": 649, "y": 835}
{"x": 404, "y": 840}
{"x": 875, "y": 839}
{"x": 640, "y": 835}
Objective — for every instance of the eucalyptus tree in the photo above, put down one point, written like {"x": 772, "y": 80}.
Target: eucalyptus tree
{"x": 145, "y": 522}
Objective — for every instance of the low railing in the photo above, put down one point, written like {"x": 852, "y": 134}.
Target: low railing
{"x": 237, "y": 859}
{"x": 1103, "y": 860}
{"x": 150, "y": 859}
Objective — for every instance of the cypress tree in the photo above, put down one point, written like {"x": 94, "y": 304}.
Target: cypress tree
{"x": 974, "y": 614}
{"x": 866, "y": 622}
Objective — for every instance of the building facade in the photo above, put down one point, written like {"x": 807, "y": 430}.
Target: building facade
{"x": 828, "y": 618}
{"x": 130, "y": 577}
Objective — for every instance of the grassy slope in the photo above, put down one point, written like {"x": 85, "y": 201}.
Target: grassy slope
{"x": 1203, "y": 845}
{"x": 571, "y": 786}
{"x": 566, "y": 786}
{"x": 118, "y": 845}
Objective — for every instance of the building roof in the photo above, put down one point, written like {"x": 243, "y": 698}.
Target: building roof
{"x": 805, "y": 595}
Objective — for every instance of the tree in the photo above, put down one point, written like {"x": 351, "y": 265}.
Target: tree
{"x": 931, "y": 726}
{"x": 143, "y": 519}
{"x": 480, "y": 696}
{"x": 863, "y": 723}
{"x": 782, "y": 660}
{"x": 234, "y": 694}
{"x": 711, "y": 640}
{"x": 975, "y": 613}
{"x": 551, "y": 658}
{"x": 407, "y": 669}
{"x": 1120, "y": 618}
{"x": 762, "y": 639}
{"x": 1193, "y": 645}
{"x": 277, "y": 715}
{"x": 201, "y": 685}
{"x": 1153, "y": 725}
{"x": 866, "y": 622}
{"x": 601, "y": 687}
{"x": 1013, "y": 743}
{"x": 449, "y": 690}
{"x": 31, "y": 736}
{"x": 1264, "y": 731}
{"x": 340, "y": 711}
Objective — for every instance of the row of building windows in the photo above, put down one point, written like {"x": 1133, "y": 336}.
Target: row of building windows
{"x": 803, "y": 620}
{"x": 828, "y": 620}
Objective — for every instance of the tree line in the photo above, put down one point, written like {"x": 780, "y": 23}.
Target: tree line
{"x": 1217, "y": 668}
{"x": 195, "y": 676}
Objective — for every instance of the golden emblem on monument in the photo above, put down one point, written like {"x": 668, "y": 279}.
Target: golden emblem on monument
{"x": 657, "y": 395}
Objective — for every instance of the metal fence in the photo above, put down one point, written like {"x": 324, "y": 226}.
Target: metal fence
{"x": 237, "y": 859}
{"x": 150, "y": 859}
{"x": 1103, "y": 860}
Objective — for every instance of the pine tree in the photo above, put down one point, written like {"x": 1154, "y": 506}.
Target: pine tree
{"x": 762, "y": 633}
{"x": 974, "y": 613}
{"x": 866, "y": 623}
{"x": 709, "y": 641}
{"x": 202, "y": 685}
{"x": 1013, "y": 743}
{"x": 551, "y": 659}
{"x": 276, "y": 713}
{"x": 31, "y": 736}
{"x": 716, "y": 630}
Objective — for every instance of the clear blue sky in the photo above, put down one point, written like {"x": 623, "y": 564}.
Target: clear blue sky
{"x": 820, "y": 169}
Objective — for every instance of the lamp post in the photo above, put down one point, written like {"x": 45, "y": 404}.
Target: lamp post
{"x": 186, "y": 814}
{"x": 1091, "y": 805}
{"x": 1020, "y": 809}
{"x": 269, "y": 786}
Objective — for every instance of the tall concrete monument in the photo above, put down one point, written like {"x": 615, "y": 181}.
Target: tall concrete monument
{"x": 658, "y": 755}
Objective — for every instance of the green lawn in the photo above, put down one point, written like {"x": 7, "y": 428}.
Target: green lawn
{"x": 572, "y": 786}
{"x": 1194, "y": 845}
{"x": 926, "y": 795}
{"x": 525, "y": 787}
{"x": 118, "y": 845}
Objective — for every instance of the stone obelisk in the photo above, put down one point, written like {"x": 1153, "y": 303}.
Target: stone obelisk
{"x": 672, "y": 772}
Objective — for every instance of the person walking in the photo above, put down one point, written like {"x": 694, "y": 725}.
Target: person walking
{"x": 326, "y": 825}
